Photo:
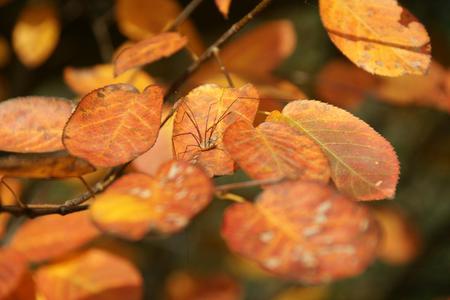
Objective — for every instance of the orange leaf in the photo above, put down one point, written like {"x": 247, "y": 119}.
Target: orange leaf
{"x": 33, "y": 124}
{"x": 114, "y": 124}
{"x": 275, "y": 150}
{"x": 149, "y": 50}
{"x": 138, "y": 203}
{"x": 202, "y": 117}
{"x": 84, "y": 80}
{"x": 16, "y": 281}
{"x": 265, "y": 48}
{"x": 223, "y": 6}
{"x": 380, "y": 37}
{"x": 185, "y": 286}
{"x": 36, "y": 33}
{"x": 400, "y": 241}
{"x": 51, "y": 236}
{"x": 343, "y": 84}
{"x": 363, "y": 164}
{"x": 432, "y": 89}
{"x": 93, "y": 274}
{"x": 44, "y": 165}
{"x": 139, "y": 19}
{"x": 8, "y": 198}
{"x": 304, "y": 231}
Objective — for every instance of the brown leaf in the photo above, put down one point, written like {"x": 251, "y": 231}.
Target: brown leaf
{"x": 303, "y": 231}
{"x": 139, "y": 19}
{"x": 84, "y": 80}
{"x": 185, "y": 286}
{"x": 149, "y": 50}
{"x": 92, "y": 274}
{"x": 343, "y": 84}
{"x": 114, "y": 124}
{"x": 363, "y": 164}
{"x": 380, "y": 37}
{"x": 33, "y": 124}
{"x": 202, "y": 117}
{"x": 52, "y": 236}
{"x": 44, "y": 165}
{"x": 16, "y": 281}
{"x": 275, "y": 150}
{"x": 223, "y": 6}
{"x": 138, "y": 203}
{"x": 36, "y": 33}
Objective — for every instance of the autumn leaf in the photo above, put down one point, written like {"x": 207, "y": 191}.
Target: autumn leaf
{"x": 303, "y": 231}
{"x": 432, "y": 89}
{"x": 16, "y": 281}
{"x": 36, "y": 33}
{"x": 44, "y": 165}
{"x": 275, "y": 150}
{"x": 114, "y": 124}
{"x": 343, "y": 84}
{"x": 185, "y": 286}
{"x": 8, "y": 198}
{"x": 84, "y": 80}
{"x": 400, "y": 242}
{"x": 52, "y": 236}
{"x": 139, "y": 19}
{"x": 380, "y": 37}
{"x": 92, "y": 274}
{"x": 223, "y": 6}
{"x": 149, "y": 50}
{"x": 137, "y": 203}
{"x": 201, "y": 119}
{"x": 26, "y": 126}
{"x": 363, "y": 164}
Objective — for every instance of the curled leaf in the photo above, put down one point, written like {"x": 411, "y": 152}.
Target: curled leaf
{"x": 93, "y": 274}
{"x": 114, "y": 124}
{"x": 275, "y": 150}
{"x": 27, "y": 127}
{"x": 303, "y": 231}
{"x": 380, "y": 37}
{"x": 363, "y": 164}
{"x": 149, "y": 50}
{"x": 202, "y": 117}
{"x": 52, "y": 236}
{"x": 84, "y": 80}
{"x": 137, "y": 203}
{"x": 36, "y": 33}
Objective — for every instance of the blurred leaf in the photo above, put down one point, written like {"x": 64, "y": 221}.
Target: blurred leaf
{"x": 16, "y": 281}
{"x": 223, "y": 6}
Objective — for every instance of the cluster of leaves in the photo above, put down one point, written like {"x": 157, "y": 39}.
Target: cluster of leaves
{"x": 314, "y": 161}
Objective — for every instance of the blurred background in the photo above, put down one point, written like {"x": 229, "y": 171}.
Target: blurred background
{"x": 416, "y": 261}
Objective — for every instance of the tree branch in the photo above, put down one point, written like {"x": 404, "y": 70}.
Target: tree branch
{"x": 183, "y": 15}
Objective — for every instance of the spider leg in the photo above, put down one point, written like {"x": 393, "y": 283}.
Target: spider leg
{"x": 87, "y": 186}
{"x": 186, "y": 150}
{"x": 191, "y": 117}
{"x": 21, "y": 204}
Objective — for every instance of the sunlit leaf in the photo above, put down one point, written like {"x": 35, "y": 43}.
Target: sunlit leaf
{"x": 432, "y": 89}
{"x": 400, "y": 241}
{"x": 380, "y": 36}
{"x": 201, "y": 119}
{"x": 36, "y": 33}
{"x": 93, "y": 274}
{"x": 44, "y": 165}
{"x": 84, "y": 80}
{"x": 343, "y": 84}
{"x": 16, "y": 282}
{"x": 223, "y": 6}
{"x": 185, "y": 286}
{"x": 114, "y": 124}
{"x": 275, "y": 150}
{"x": 363, "y": 164}
{"x": 139, "y": 19}
{"x": 303, "y": 231}
{"x": 51, "y": 236}
{"x": 27, "y": 127}
{"x": 149, "y": 50}
{"x": 138, "y": 203}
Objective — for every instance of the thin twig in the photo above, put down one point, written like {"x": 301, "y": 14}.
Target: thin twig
{"x": 210, "y": 51}
{"x": 183, "y": 15}
{"x": 34, "y": 210}
{"x": 222, "y": 67}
